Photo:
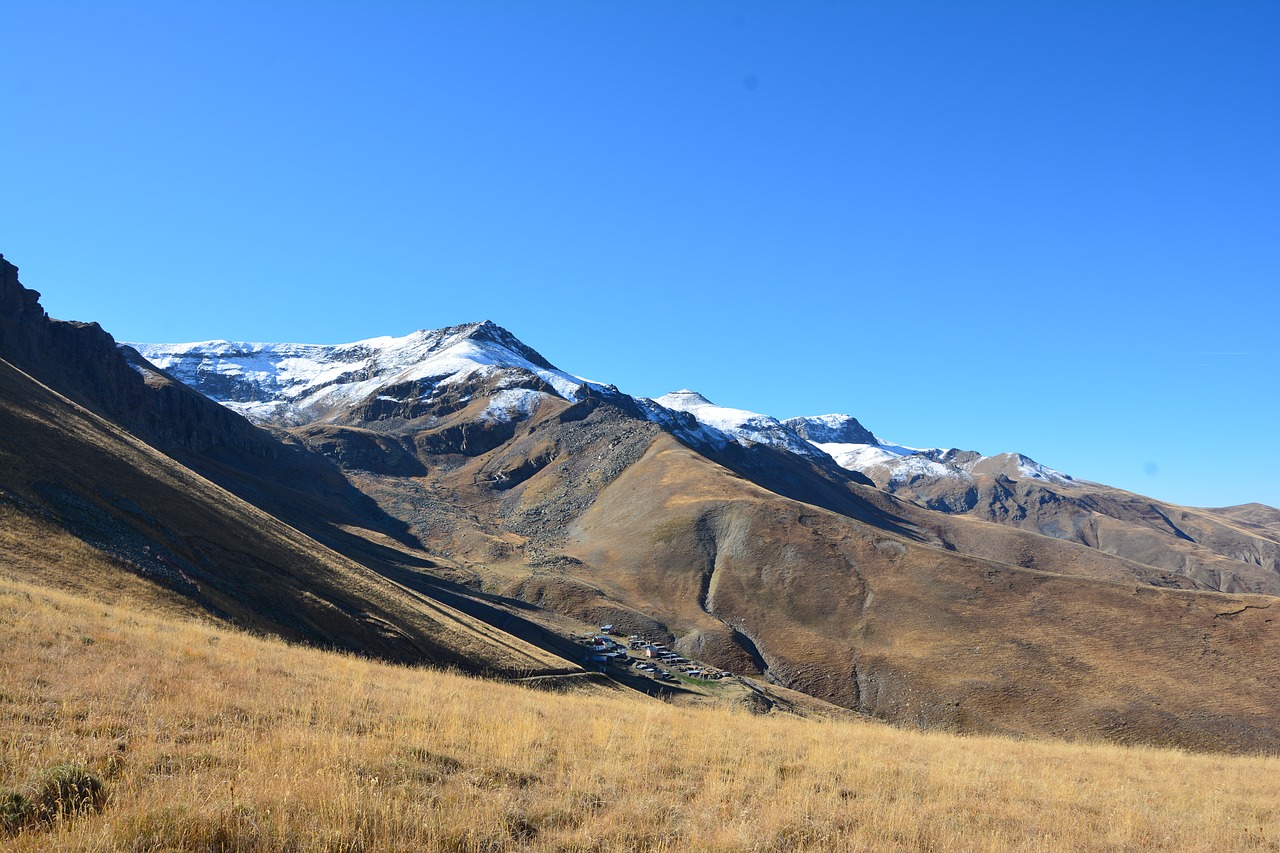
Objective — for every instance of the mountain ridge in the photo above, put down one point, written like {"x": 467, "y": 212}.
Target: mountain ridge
{"x": 1006, "y": 488}
{"x": 834, "y": 435}
{"x": 217, "y": 364}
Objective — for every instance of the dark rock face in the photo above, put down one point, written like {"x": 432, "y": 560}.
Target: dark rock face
{"x": 472, "y": 438}
{"x": 20, "y": 311}
{"x": 82, "y": 362}
{"x": 492, "y": 332}
{"x": 592, "y": 398}
{"x": 362, "y": 450}
{"x": 835, "y": 429}
{"x": 954, "y": 456}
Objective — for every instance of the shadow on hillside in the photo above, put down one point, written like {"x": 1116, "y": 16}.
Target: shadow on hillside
{"x": 485, "y": 607}
{"x": 828, "y": 486}
{"x": 307, "y": 492}
{"x": 480, "y": 605}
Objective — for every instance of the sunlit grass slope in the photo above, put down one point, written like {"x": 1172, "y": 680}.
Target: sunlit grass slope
{"x": 205, "y": 739}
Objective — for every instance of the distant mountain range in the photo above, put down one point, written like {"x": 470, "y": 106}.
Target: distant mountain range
{"x": 388, "y": 380}
{"x": 450, "y": 496}
{"x": 293, "y": 384}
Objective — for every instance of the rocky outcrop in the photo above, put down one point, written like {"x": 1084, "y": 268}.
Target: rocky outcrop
{"x": 20, "y": 311}
{"x": 82, "y": 362}
{"x": 831, "y": 429}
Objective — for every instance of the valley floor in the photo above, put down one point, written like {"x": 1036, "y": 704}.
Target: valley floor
{"x": 208, "y": 739}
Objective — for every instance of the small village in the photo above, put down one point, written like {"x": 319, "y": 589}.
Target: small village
{"x": 643, "y": 656}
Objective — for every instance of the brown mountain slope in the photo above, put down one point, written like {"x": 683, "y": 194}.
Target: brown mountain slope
{"x": 744, "y": 556}
{"x": 858, "y": 597}
{"x": 918, "y": 634}
{"x": 1231, "y": 550}
{"x": 143, "y": 514}
{"x": 1259, "y": 519}
{"x": 919, "y": 617}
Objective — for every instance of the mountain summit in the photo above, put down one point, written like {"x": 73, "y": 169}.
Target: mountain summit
{"x": 293, "y": 384}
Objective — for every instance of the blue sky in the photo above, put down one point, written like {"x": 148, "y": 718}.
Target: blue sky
{"x": 999, "y": 226}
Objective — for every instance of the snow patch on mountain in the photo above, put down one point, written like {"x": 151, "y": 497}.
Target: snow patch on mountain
{"x": 682, "y": 424}
{"x": 855, "y": 448}
{"x": 906, "y": 469}
{"x": 859, "y": 457}
{"x": 737, "y": 425}
{"x": 898, "y": 464}
{"x": 513, "y": 404}
{"x": 901, "y": 464}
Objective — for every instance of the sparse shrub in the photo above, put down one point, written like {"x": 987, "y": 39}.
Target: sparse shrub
{"x": 60, "y": 793}
{"x": 13, "y": 811}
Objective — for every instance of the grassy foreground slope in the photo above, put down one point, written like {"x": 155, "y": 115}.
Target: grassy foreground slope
{"x": 206, "y": 739}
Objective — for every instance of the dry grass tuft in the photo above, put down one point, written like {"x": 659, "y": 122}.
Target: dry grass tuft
{"x": 58, "y": 794}
{"x": 205, "y": 739}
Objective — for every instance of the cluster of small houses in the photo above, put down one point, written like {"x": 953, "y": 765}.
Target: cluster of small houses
{"x": 603, "y": 651}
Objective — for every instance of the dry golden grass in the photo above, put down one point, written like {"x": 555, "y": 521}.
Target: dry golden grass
{"x": 214, "y": 740}
{"x": 37, "y": 550}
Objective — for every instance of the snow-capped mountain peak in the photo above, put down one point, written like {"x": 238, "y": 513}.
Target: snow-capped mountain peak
{"x": 296, "y": 382}
{"x": 1017, "y": 466}
{"x": 422, "y": 373}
